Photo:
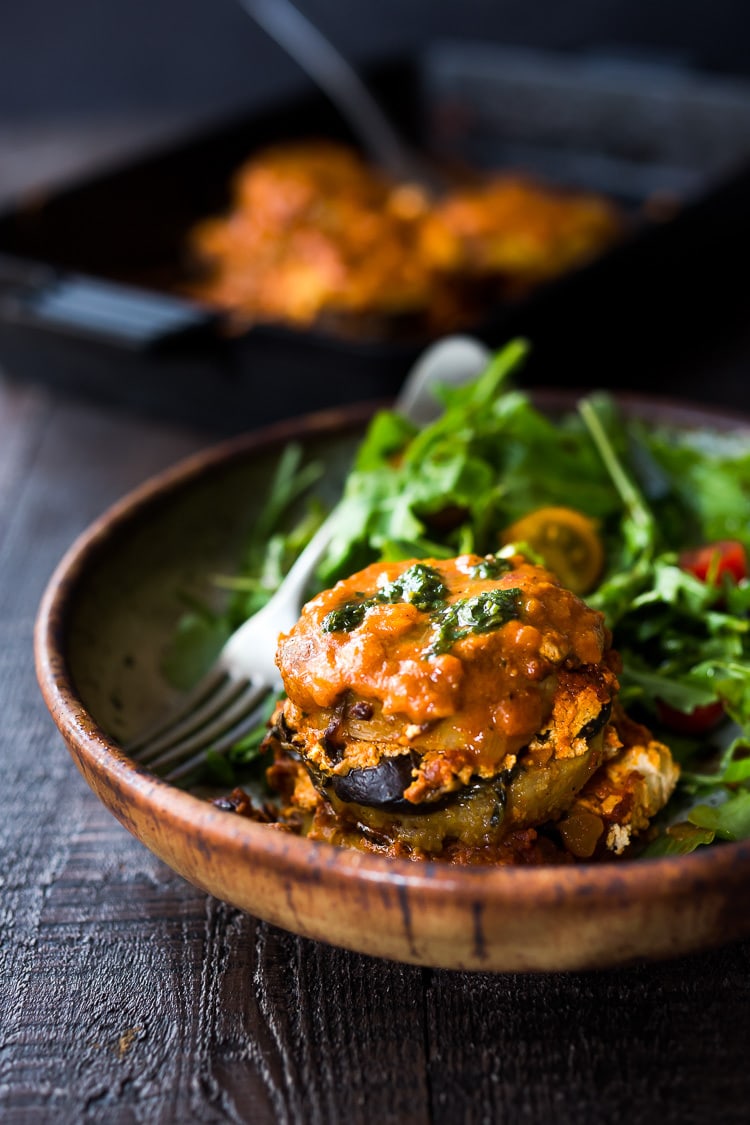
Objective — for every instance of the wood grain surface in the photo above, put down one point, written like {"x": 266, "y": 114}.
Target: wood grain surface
{"x": 128, "y": 996}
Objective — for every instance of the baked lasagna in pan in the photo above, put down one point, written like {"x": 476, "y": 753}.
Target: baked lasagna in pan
{"x": 316, "y": 236}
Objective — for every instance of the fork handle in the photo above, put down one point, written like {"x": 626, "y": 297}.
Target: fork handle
{"x": 299, "y": 573}
{"x": 282, "y": 609}
{"x": 325, "y": 64}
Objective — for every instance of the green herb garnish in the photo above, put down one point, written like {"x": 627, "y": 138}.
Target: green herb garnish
{"x": 481, "y": 614}
{"x": 422, "y": 587}
{"x": 492, "y": 566}
{"x": 419, "y": 585}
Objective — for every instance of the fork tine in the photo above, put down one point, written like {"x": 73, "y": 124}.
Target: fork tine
{"x": 226, "y": 691}
{"x": 211, "y": 715}
{"x": 183, "y": 708}
{"x": 221, "y": 746}
{"x": 216, "y": 722}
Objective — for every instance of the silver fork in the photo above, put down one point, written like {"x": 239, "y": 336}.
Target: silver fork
{"x": 332, "y": 72}
{"x": 225, "y": 704}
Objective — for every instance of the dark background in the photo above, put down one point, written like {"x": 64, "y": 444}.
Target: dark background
{"x": 97, "y": 56}
{"x": 130, "y": 70}
{"x": 94, "y": 83}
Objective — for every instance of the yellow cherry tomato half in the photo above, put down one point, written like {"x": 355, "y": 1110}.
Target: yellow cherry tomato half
{"x": 567, "y": 541}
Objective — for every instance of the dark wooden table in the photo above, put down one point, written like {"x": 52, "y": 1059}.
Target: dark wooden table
{"x": 129, "y": 996}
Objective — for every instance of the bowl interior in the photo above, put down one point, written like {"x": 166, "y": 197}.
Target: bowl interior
{"x": 123, "y": 617}
{"x": 104, "y": 628}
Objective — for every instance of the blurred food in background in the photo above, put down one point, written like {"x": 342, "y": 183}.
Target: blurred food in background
{"x": 631, "y": 206}
{"x": 317, "y": 236}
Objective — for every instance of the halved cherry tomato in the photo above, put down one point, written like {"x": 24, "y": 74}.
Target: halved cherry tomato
{"x": 726, "y": 556}
{"x": 567, "y": 541}
{"x": 698, "y": 721}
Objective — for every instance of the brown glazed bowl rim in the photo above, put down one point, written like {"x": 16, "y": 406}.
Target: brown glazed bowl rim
{"x": 159, "y": 813}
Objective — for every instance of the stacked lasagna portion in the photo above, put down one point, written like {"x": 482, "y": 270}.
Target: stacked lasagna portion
{"x": 463, "y": 710}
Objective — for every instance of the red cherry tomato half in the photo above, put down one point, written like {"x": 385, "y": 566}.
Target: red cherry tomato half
{"x": 698, "y": 721}
{"x": 726, "y": 556}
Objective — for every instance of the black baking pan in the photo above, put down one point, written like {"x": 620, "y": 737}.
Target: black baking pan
{"x": 89, "y": 274}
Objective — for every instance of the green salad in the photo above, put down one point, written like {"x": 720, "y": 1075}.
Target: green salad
{"x": 649, "y": 524}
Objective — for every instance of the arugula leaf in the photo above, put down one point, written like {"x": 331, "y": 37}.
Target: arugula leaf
{"x": 679, "y": 839}
{"x": 684, "y": 694}
{"x": 290, "y": 480}
{"x": 709, "y": 474}
{"x": 732, "y": 766}
{"x": 387, "y": 435}
{"x": 201, "y": 632}
{"x": 729, "y": 820}
{"x": 637, "y": 525}
{"x": 489, "y": 458}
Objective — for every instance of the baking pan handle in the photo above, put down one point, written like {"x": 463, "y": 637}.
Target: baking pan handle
{"x": 120, "y": 315}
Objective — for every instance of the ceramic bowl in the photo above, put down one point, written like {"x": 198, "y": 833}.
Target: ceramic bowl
{"x": 105, "y": 619}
